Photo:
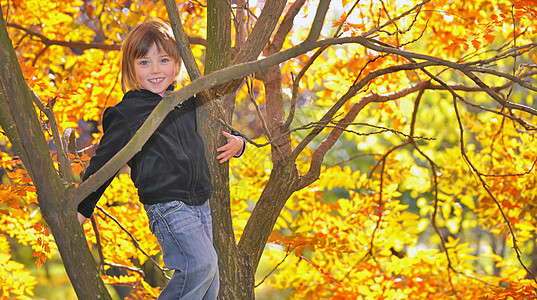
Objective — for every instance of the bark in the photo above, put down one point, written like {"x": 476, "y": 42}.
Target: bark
{"x": 281, "y": 149}
{"x": 19, "y": 120}
{"x": 238, "y": 264}
{"x": 72, "y": 245}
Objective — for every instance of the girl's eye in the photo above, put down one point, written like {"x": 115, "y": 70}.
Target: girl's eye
{"x": 143, "y": 62}
{"x": 164, "y": 60}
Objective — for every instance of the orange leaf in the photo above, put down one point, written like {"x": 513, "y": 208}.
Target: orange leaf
{"x": 77, "y": 168}
{"x": 476, "y": 44}
{"x": 489, "y": 37}
{"x": 39, "y": 262}
{"x": 341, "y": 20}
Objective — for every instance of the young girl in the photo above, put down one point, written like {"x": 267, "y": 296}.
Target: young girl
{"x": 170, "y": 171}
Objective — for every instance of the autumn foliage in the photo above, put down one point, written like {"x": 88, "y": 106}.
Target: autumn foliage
{"x": 430, "y": 191}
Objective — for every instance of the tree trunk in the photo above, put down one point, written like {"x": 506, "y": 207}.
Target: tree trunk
{"x": 20, "y": 123}
{"x": 236, "y": 276}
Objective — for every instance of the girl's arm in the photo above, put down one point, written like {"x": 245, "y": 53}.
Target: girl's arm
{"x": 116, "y": 135}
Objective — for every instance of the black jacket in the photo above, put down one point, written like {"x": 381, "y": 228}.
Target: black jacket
{"x": 170, "y": 166}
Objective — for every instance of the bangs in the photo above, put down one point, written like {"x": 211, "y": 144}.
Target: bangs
{"x": 161, "y": 37}
{"x": 168, "y": 46}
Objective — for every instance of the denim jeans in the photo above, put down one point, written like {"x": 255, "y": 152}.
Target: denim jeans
{"x": 185, "y": 235}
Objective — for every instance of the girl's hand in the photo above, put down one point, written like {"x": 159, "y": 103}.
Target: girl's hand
{"x": 81, "y": 219}
{"x": 233, "y": 146}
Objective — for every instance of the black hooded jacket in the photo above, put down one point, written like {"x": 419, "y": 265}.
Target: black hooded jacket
{"x": 170, "y": 166}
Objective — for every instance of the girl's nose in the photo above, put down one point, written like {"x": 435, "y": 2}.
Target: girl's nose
{"x": 155, "y": 68}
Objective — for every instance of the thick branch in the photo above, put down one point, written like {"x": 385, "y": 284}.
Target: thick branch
{"x": 19, "y": 119}
{"x": 285, "y": 27}
{"x": 258, "y": 39}
{"x": 183, "y": 44}
{"x": 83, "y": 45}
{"x": 261, "y": 32}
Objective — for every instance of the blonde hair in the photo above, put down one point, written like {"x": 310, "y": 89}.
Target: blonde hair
{"x": 137, "y": 44}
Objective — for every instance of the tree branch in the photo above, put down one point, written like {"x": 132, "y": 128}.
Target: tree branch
{"x": 319, "y": 153}
{"x": 135, "y": 242}
{"x": 263, "y": 29}
{"x": 65, "y": 166}
{"x": 392, "y": 21}
{"x": 435, "y": 184}
{"x": 85, "y": 46}
{"x": 241, "y": 70}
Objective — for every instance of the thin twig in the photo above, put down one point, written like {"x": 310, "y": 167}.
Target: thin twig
{"x": 288, "y": 252}
{"x": 375, "y": 29}
{"x": 480, "y": 177}
{"x": 135, "y": 241}
{"x": 65, "y": 166}
{"x": 435, "y": 184}
{"x": 102, "y": 261}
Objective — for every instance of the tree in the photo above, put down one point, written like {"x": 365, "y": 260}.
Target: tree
{"x": 368, "y": 71}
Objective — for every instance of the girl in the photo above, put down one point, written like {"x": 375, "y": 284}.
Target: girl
{"x": 170, "y": 171}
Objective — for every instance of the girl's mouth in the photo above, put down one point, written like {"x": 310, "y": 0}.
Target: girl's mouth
{"x": 156, "y": 80}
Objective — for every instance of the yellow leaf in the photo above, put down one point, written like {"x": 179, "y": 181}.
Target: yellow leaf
{"x": 468, "y": 201}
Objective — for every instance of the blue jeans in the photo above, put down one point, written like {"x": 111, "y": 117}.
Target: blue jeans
{"x": 185, "y": 235}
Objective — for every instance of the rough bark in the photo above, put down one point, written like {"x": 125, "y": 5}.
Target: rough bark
{"x": 236, "y": 277}
{"x": 280, "y": 149}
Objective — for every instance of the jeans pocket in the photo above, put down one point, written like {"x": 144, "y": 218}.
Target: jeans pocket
{"x": 158, "y": 215}
{"x": 168, "y": 208}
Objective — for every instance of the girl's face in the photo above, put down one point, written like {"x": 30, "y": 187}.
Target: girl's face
{"x": 155, "y": 71}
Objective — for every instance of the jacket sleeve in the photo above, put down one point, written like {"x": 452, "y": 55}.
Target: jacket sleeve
{"x": 116, "y": 135}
